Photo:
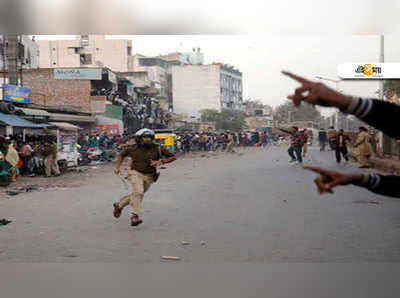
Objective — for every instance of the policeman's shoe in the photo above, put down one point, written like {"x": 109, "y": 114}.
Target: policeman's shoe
{"x": 135, "y": 221}
{"x": 117, "y": 210}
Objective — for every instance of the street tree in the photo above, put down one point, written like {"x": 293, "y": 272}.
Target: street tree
{"x": 224, "y": 120}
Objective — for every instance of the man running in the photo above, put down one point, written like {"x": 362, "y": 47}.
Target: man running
{"x": 145, "y": 157}
{"x": 295, "y": 144}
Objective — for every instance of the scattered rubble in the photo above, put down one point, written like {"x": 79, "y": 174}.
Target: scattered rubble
{"x": 4, "y": 222}
{"x": 171, "y": 258}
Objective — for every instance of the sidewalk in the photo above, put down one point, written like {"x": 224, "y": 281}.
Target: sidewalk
{"x": 387, "y": 165}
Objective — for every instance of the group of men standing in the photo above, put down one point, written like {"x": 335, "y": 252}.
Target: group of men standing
{"x": 338, "y": 141}
{"x": 192, "y": 142}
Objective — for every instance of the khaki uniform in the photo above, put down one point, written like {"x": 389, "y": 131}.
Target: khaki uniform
{"x": 141, "y": 184}
{"x": 230, "y": 144}
{"x": 141, "y": 173}
{"x": 363, "y": 148}
{"x": 50, "y": 162}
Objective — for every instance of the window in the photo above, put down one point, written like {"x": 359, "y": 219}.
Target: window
{"x": 86, "y": 59}
{"x": 148, "y": 62}
{"x": 72, "y": 51}
{"x": 84, "y": 40}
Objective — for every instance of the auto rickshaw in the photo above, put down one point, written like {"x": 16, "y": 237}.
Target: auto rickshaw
{"x": 166, "y": 138}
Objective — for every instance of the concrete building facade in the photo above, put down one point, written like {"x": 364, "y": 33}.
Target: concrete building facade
{"x": 196, "y": 57}
{"x": 86, "y": 51}
{"x": 28, "y": 52}
{"x": 157, "y": 71}
{"x": 69, "y": 94}
{"x": 199, "y": 87}
{"x": 231, "y": 87}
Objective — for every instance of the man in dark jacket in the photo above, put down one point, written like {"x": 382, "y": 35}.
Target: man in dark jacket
{"x": 322, "y": 138}
{"x": 341, "y": 146}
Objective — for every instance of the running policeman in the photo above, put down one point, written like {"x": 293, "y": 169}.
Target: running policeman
{"x": 145, "y": 158}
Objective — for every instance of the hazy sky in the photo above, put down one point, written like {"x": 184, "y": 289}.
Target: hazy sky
{"x": 262, "y": 57}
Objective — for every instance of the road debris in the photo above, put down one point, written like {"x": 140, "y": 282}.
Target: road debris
{"x": 203, "y": 243}
{"x": 171, "y": 258}
{"x": 13, "y": 192}
{"x": 185, "y": 243}
{"x": 4, "y": 222}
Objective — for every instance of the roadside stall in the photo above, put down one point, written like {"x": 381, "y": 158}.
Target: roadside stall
{"x": 67, "y": 138}
{"x": 14, "y": 125}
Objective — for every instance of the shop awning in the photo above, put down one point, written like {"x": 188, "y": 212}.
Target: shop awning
{"x": 15, "y": 121}
{"x": 71, "y": 118}
{"x": 125, "y": 81}
{"x": 65, "y": 125}
{"x": 32, "y": 112}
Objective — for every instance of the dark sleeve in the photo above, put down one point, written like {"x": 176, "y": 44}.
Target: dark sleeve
{"x": 377, "y": 113}
{"x": 383, "y": 185}
{"x": 127, "y": 151}
{"x": 166, "y": 153}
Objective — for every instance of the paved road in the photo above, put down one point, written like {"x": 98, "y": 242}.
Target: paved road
{"x": 253, "y": 207}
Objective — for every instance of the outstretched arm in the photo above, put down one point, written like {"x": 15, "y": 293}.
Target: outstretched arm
{"x": 120, "y": 159}
{"x": 379, "y": 184}
{"x": 374, "y": 112}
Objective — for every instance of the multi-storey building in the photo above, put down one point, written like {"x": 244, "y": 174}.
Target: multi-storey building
{"x": 198, "y": 87}
{"x": 196, "y": 57}
{"x": 86, "y": 51}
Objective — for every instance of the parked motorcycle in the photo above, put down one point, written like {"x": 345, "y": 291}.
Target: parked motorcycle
{"x": 94, "y": 153}
{"x": 83, "y": 157}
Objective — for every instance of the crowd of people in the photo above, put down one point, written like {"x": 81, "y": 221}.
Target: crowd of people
{"x": 37, "y": 155}
{"x": 339, "y": 142}
{"x": 226, "y": 141}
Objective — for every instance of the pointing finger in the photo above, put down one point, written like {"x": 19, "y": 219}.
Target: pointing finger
{"x": 296, "y": 77}
{"x": 317, "y": 170}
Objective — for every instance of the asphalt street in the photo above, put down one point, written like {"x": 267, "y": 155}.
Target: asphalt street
{"x": 249, "y": 207}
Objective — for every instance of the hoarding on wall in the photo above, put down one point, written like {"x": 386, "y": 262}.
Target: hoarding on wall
{"x": 78, "y": 73}
{"x": 17, "y": 94}
{"x": 113, "y": 127}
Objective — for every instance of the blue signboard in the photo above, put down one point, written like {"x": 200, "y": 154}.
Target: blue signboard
{"x": 17, "y": 94}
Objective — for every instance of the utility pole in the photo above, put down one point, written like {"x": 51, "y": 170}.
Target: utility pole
{"x": 12, "y": 59}
{"x": 385, "y": 143}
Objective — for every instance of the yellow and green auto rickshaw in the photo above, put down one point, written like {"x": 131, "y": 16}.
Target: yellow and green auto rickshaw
{"x": 166, "y": 138}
